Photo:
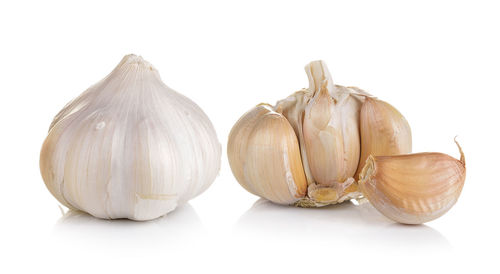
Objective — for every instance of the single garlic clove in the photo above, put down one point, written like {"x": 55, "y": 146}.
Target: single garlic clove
{"x": 330, "y": 127}
{"x": 264, "y": 156}
{"x": 129, "y": 147}
{"x": 413, "y": 188}
{"x": 384, "y": 131}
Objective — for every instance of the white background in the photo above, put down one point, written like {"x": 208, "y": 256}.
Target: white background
{"x": 438, "y": 62}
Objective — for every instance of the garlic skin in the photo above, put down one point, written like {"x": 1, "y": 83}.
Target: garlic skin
{"x": 293, "y": 108}
{"x": 129, "y": 147}
{"x": 413, "y": 188}
{"x": 384, "y": 131}
{"x": 264, "y": 156}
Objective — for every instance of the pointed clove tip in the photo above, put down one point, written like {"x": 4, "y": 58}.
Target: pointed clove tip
{"x": 462, "y": 155}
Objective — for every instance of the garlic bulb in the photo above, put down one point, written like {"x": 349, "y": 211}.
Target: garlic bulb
{"x": 413, "y": 188}
{"x": 325, "y": 121}
{"x": 129, "y": 147}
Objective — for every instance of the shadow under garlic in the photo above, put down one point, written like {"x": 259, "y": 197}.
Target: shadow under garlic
{"x": 351, "y": 223}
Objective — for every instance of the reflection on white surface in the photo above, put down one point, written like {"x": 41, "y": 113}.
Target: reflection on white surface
{"x": 281, "y": 229}
{"x": 180, "y": 226}
{"x": 339, "y": 225}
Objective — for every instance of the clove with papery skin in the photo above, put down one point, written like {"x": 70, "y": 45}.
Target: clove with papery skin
{"x": 413, "y": 188}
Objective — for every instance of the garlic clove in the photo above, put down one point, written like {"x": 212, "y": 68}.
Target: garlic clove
{"x": 330, "y": 127}
{"x": 129, "y": 147}
{"x": 384, "y": 131}
{"x": 237, "y": 148}
{"x": 413, "y": 188}
{"x": 264, "y": 156}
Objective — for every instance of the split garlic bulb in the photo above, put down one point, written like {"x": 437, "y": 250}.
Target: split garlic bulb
{"x": 129, "y": 147}
{"x": 325, "y": 119}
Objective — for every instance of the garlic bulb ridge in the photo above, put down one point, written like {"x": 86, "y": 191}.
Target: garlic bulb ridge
{"x": 129, "y": 147}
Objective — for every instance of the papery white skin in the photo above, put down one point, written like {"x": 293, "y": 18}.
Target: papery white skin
{"x": 129, "y": 147}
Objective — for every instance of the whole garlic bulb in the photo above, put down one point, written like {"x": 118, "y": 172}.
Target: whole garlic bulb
{"x": 129, "y": 147}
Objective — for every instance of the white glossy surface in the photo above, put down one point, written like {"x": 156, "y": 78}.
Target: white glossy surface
{"x": 437, "y": 62}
